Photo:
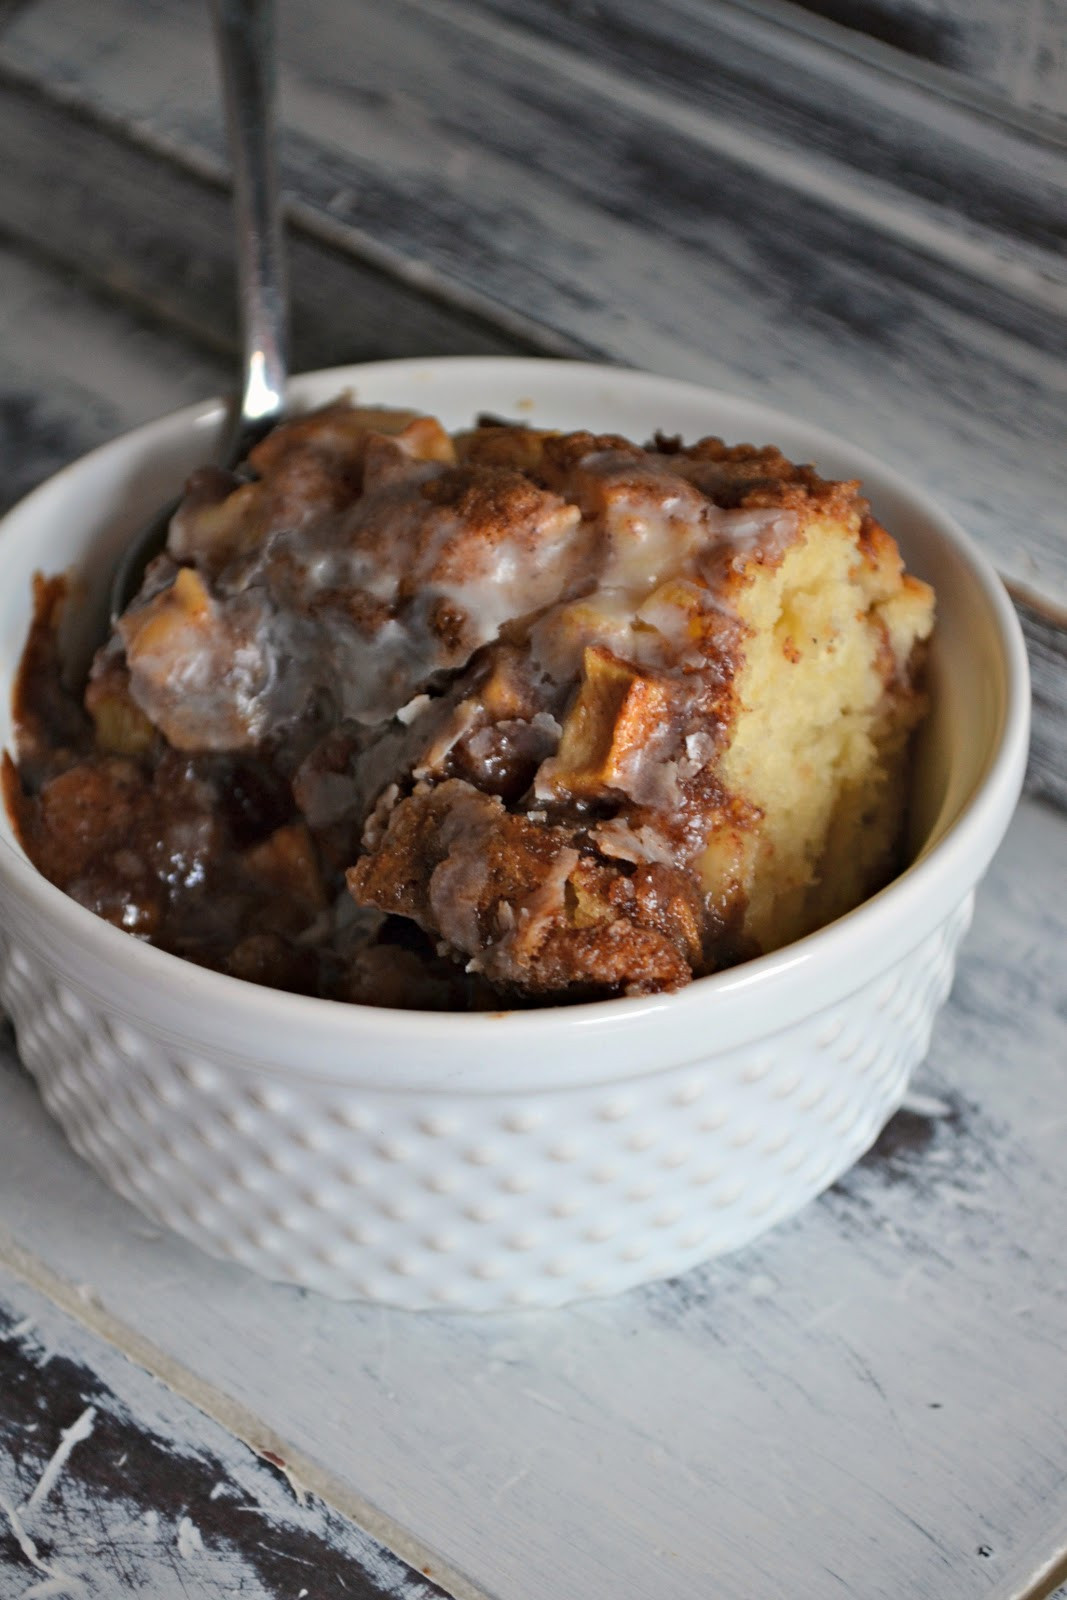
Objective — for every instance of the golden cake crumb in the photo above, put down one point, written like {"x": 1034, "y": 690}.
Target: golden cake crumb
{"x": 514, "y": 716}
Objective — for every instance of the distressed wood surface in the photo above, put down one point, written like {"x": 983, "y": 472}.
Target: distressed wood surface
{"x": 513, "y": 170}
{"x": 702, "y": 191}
{"x": 990, "y": 179}
{"x": 1017, "y": 52}
{"x": 110, "y": 1485}
{"x": 76, "y": 370}
{"x": 516, "y": 172}
{"x": 871, "y": 1401}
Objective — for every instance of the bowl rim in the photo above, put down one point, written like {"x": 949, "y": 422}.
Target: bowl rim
{"x": 864, "y": 941}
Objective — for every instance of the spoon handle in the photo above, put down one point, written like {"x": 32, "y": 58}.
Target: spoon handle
{"x": 244, "y": 31}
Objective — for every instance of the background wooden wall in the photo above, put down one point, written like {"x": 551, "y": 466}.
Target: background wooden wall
{"x": 853, "y": 211}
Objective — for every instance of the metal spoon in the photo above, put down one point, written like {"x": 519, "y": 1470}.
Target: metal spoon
{"x": 244, "y": 35}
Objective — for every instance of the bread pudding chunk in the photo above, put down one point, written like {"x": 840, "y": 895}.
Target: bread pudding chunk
{"x": 519, "y": 717}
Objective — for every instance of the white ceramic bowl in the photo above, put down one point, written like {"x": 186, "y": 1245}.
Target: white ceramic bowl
{"x": 518, "y": 1159}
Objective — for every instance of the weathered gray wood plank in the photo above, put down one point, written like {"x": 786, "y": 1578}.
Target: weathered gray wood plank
{"x": 159, "y": 233}
{"x": 459, "y": 181}
{"x": 112, "y": 1486}
{"x": 519, "y": 176}
{"x": 76, "y": 369}
{"x": 871, "y": 1401}
{"x": 1018, "y": 51}
{"x": 966, "y": 165}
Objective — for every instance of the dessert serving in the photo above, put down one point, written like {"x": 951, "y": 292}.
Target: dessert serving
{"x": 484, "y": 720}
{"x": 579, "y": 716}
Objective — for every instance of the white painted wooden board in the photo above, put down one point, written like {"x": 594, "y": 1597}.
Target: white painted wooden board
{"x": 871, "y": 1402}
{"x": 111, "y": 1486}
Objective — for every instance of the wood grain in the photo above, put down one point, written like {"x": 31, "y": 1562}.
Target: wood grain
{"x": 874, "y": 1399}
{"x": 75, "y": 370}
{"x": 147, "y": 1496}
{"x": 1019, "y": 52}
{"x": 987, "y": 174}
{"x": 733, "y": 203}
{"x": 158, "y": 234}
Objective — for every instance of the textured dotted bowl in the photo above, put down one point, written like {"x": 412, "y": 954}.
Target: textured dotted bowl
{"x": 514, "y": 1159}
